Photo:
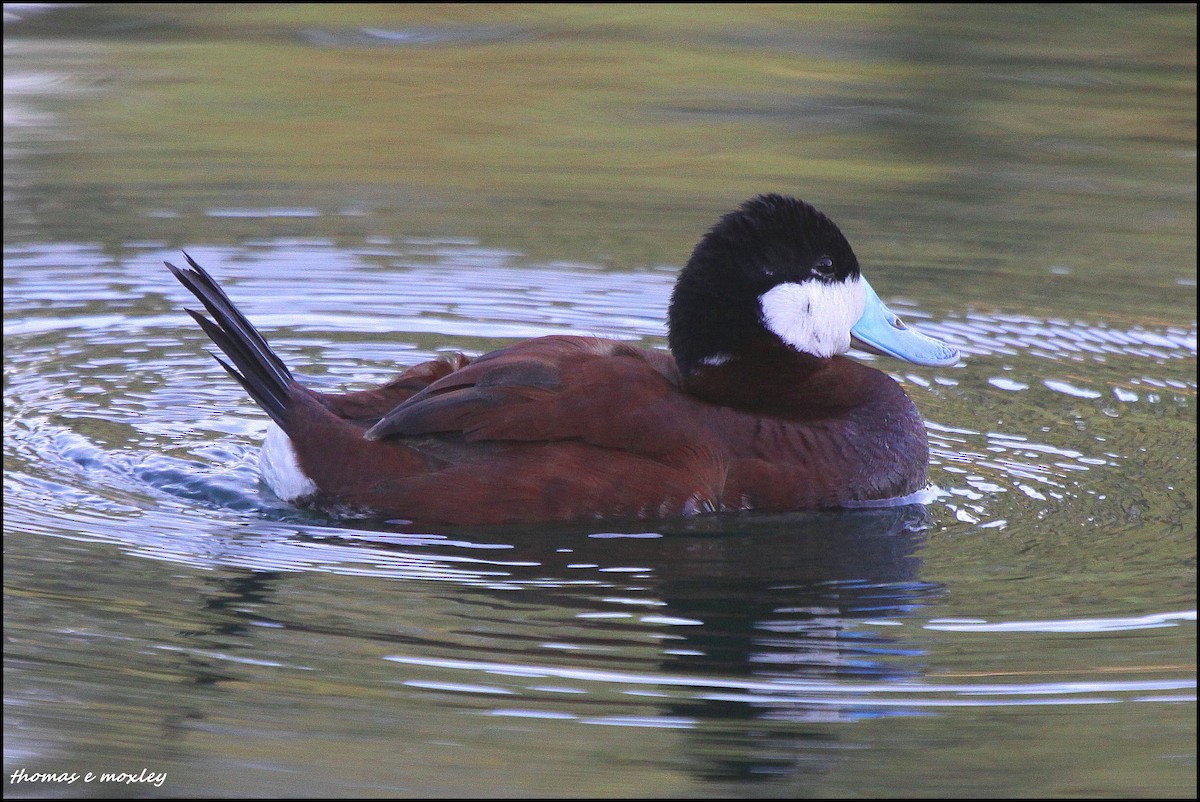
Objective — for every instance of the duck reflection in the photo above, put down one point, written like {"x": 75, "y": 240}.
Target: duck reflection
{"x": 760, "y": 625}
{"x": 785, "y": 602}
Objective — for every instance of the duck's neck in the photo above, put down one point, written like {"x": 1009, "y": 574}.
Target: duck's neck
{"x": 771, "y": 379}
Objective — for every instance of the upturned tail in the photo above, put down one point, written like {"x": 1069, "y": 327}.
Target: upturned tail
{"x": 255, "y": 366}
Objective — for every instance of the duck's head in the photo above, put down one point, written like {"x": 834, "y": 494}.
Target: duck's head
{"x": 778, "y": 272}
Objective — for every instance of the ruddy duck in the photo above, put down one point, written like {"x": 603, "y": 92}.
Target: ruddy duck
{"x": 754, "y": 408}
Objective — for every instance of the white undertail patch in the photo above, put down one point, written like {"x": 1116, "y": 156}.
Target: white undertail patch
{"x": 280, "y": 469}
{"x": 814, "y": 317}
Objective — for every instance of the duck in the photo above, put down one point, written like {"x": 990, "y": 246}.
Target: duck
{"x": 753, "y": 407}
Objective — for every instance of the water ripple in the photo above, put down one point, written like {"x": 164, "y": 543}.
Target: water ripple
{"x": 780, "y": 694}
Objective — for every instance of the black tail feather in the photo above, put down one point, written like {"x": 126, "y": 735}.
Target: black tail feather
{"x": 262, "y": 372}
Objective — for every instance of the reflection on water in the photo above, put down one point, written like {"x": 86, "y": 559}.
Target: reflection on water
{"x": 378, "y": 184}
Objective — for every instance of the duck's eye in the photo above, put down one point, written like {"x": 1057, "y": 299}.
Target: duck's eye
{"x": 824, "y": 266}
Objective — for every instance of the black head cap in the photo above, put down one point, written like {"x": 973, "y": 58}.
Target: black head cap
{"x": 768, "y": 240}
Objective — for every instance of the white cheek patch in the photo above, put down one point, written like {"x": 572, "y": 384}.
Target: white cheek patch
{"x": 279, "y": 468}
{"x": 814, "y": 317}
